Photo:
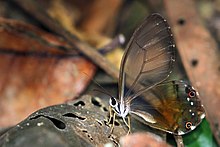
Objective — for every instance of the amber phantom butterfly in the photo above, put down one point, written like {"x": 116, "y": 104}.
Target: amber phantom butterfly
{"x": 171, "y": 106}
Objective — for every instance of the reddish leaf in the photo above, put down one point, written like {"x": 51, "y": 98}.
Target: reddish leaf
{"x": 35, "y": 71}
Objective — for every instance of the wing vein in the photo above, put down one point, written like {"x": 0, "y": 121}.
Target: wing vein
{"x": 139, "y": 74}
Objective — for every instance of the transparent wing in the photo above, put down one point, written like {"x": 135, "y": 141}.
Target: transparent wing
{"x": 149, "y": 56}
{"x": 170, "y": 106}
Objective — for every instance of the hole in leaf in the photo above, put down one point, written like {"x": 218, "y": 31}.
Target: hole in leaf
{"x": 105, "y": 109}
{"x": 181, "y": 21}
{"x": 117, "y": 123}
{"x": 95, "y": 102}
{"x": 99, "y": 123}
{"x": 59, "y": 124}
{"x": 84, "y": 131}
{"x": 35, "y": 117}
{"x": 194, "y": 62}
{"x": 79, "y": 103}
{"x": 74, "y": 116}
{"x": 216, "y": 125}
{"x": 90, "y": 137}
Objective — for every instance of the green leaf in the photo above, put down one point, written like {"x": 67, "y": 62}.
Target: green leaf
{"x": 200, "y": 137}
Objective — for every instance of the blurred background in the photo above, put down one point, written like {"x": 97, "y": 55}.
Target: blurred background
{"x": 48, "y": 52}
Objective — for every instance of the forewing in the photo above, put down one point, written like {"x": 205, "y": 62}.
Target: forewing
{"x": 171, "y": 106}
{"x": 149, "y": 55}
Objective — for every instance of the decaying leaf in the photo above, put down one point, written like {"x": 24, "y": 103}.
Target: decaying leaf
{"x": 35, "y": 71}
{"x": 81, "y": 122}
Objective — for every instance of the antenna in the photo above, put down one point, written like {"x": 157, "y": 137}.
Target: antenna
{"x": 103, "y": 89}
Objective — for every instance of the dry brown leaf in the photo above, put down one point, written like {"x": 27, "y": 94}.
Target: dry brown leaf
{"x": 36, "y": 72}
{"x": 200, "y": 56}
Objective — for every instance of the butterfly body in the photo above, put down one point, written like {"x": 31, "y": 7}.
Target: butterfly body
{"x": 171, "y": 106}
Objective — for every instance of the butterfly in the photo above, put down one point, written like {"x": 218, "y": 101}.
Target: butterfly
{"x": 170, "y": 106}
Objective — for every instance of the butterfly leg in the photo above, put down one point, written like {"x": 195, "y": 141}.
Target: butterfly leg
{"x": 128, "y": 124}
{"x": 113, "y": 123}
{"x": 110, "y": 114}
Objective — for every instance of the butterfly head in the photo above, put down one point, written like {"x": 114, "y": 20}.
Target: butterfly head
{"x": 119, "y": 108}
{"x": 193, "y": 111}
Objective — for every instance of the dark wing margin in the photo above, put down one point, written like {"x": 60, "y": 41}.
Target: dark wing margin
{"x": 148, "y": 58}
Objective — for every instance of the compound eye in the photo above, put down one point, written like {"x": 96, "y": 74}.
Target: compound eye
{"x": 112, "y": 101}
